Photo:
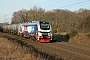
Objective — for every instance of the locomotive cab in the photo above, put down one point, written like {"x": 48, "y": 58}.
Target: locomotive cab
{"x": 44, "y": 32}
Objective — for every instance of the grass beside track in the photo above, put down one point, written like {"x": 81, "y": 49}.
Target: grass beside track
{"x": 34, "y": 48}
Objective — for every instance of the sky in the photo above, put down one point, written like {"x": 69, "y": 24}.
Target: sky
{"x": 8, "y": 7}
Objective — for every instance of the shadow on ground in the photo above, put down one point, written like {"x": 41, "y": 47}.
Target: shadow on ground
{"x": 60, "y": 38}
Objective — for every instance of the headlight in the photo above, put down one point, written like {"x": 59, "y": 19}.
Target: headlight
{"x": 49, "y": 34}
{"x": 40, "y": 34}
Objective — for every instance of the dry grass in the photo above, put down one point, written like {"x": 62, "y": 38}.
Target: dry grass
{"x": 11, "y": 50}
{"x": 81, "y": 39}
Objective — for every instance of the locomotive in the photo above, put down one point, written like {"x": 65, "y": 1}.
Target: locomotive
{"x": 41, "y": 30}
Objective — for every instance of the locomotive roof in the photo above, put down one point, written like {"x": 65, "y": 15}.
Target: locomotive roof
{"x": 33, "y": 23}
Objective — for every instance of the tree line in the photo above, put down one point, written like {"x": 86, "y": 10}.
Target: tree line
{"x": 61, "y": 20}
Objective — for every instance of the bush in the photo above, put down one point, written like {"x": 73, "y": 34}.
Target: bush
{"x": 54, "y": 31}
{"x": 73, "y": 33}
{"x": 88, "y": 35}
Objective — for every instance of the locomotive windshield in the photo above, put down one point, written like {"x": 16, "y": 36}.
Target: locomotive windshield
{"x": 45, "y": 25}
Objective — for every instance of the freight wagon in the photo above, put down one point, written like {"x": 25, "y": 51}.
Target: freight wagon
{"x": 40, "y": 30}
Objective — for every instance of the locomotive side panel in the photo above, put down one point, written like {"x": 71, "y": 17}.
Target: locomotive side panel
{"x": 28, "y": 29}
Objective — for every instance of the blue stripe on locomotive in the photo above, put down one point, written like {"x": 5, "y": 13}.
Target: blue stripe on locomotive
{"x": 32, "y": 28}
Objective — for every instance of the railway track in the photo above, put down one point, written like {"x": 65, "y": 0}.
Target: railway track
{"x": 64, "y": 50}
{"x": 71, "y": 51}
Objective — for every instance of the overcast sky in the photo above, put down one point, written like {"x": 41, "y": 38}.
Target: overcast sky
{"x": 8, "y": 7}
